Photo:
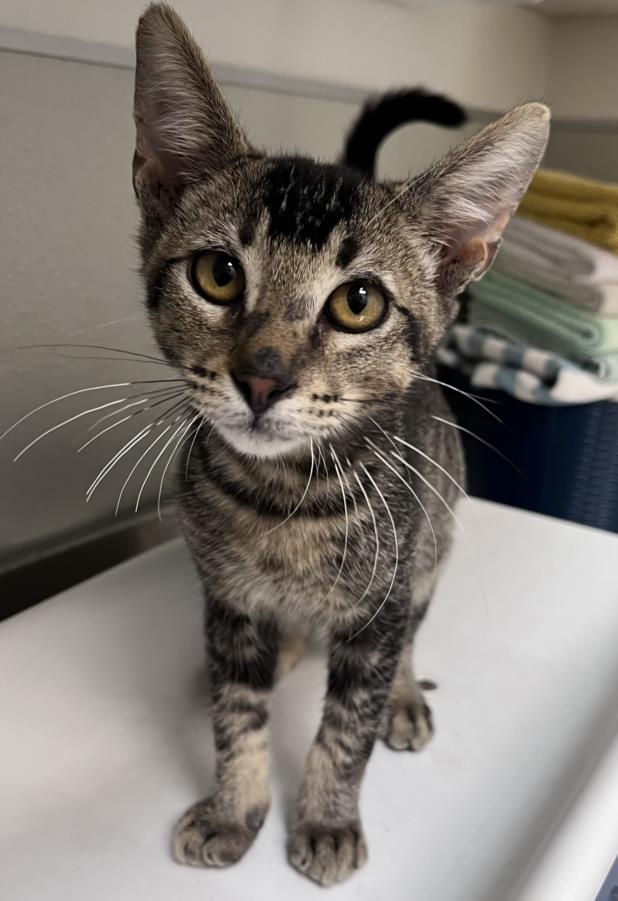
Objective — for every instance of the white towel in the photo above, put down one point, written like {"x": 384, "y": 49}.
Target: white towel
{"x": 528, "y": 373}
{"x": 573, "y": 269}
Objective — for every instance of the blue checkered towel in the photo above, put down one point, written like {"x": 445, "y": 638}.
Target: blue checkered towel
{"x": 528, "y": 373}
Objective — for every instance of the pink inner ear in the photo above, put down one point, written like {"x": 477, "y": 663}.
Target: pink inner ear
{"x": 472, "y": 254}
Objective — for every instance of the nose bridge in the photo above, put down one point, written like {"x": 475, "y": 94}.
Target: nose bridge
{"x": 269, "y": 349}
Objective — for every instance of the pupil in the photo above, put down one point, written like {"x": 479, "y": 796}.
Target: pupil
{"x": 223, "y": 271}
{"x": 357, "y": 299}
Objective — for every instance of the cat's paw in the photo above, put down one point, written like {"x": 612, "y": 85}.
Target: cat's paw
{"x": 205, "y": 837}
{"x": 409, "y": 727}
{"x": 327, "y": 854}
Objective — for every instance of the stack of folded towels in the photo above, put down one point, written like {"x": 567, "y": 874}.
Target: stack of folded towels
{"x": 543, "y": 322}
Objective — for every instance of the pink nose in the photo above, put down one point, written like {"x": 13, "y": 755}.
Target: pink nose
{"x": 260, "y": 391}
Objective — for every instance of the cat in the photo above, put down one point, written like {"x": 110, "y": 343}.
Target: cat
{"x": 302, "y": 303}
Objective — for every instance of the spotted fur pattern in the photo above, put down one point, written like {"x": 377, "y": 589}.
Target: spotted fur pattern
{"x": 329, "y": 512}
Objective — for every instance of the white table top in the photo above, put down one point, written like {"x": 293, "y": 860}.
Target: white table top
{"x": 105, "y": 740}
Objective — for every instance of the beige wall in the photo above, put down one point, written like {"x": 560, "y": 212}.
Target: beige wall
{"x": 490, "y": 56}
{"x": 583, "y": 70}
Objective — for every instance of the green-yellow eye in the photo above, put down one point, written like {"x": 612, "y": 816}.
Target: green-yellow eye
{"x": 356, "y": 307}
{"x": 217, "y": 276}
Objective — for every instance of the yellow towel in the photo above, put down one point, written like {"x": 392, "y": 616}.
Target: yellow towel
{"x": 579, "y": 206}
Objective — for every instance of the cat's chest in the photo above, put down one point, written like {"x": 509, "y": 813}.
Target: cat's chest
{"x": 296, "y": 567}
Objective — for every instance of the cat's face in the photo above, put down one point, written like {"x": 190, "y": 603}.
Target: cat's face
{"x": 297, "y": 298}
{"x": 294, "y": 300}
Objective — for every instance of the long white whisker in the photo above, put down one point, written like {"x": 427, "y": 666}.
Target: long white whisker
{"x": 197, "y": 431}
{"x": 171, "y": 457}
{"x": 410, "y": 488}
{"x": 92, "y": 328}
{"x": 103, "y": 431}
{"x": 66, "y": 422}
{"x": 472, "y": 434}
{"x": 433, "y": 463}
{"x": 63, "y": 397}
{"x": 375, "y": 532}
{"x": 347, "y": 524}
{"x": 115, "y": 413}
{"x": 297, "y": 507}
{"x": 322, "y": 460}
{"x": 345, "y": 479}
{"x": 390, "y": 587}
{"x": 416, "y": 498}
{"x": 156, "y": 460}
{"x": 393, "y": 200}
{"x": 117, "y": 456}
{"x": 136, "y": 464}
{"x": 158, "y": 395}
{"x": 454, "y": 516}
{"x": 472, "y": 397}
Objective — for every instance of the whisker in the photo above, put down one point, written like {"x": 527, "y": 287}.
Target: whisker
{"x": 114, "y": 359}
{"x": 155, "y": 461}
{"x": 345, "y": 478}
{"x": 62, "y": 397}
{"x": 128, "y": 406}
{"x": 472, "y": 434}
{"x": 99, "y": 325}
{"x": 416, "y": 498}
{"x": 137, "y": 463}
{"x": 66, "y": 422}
{"x": 347, "y": 525}
{"x": 103, "y": 431}
{"x": 472, "y": 397}
{"x": 162, "y": 393}
{"x": 434, "y": 463}
{"x": 322, "y": 460}
{"x": 390, "y": 587}
{"x": 197, "y": 431}
{"x": 393, "y": 200}
{"x": 171, "y": 457}
{"x": 120, "y": 350}
{"x": 117, "y": 456}
{"x": 304, "y": 495}
{"x": 452, "y": 513}
{"x": 375, "y": 532}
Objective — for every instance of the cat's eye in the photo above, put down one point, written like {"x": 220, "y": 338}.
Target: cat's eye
{"x": 217, "y": 276}
{"x": 356, "y": 307}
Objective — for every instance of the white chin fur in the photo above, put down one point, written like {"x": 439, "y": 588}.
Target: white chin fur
{"x": 256, "y": 445}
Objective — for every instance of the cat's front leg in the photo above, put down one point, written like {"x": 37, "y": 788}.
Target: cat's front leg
{"x": 326, "y": 842}
{"x": 242, "y": 659}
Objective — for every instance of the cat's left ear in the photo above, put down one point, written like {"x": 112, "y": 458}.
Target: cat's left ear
{"x": 185, "y": 130}
{"x": 463, "y": 203}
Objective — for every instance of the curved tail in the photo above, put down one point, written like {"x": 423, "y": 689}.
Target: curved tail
{"x": 380, "y": 117}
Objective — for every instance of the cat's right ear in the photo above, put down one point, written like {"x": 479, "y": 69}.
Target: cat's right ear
{"x": 185, "y": 130}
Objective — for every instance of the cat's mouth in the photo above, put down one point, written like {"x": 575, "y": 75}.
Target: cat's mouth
{"x": 261, "y": 439}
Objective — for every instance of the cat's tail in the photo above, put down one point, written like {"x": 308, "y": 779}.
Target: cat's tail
{"x": 380, "y": 117}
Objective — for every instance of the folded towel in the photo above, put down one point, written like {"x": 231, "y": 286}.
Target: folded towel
{"x": 528, "y": 373}
{"x": 575, "y": 270}
{"x": 525, "y": 315}
{"x": 579, "y": 206}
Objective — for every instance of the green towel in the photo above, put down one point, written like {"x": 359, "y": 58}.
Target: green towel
{"x": 530, "y": 316}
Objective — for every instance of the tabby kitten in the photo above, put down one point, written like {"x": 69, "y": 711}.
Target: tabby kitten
{"x": 302, "y": 303}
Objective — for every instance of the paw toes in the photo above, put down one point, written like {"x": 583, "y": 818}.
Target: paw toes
{"x": 201, "y": 838}
{"x": 409, "y": 727}
{"x": 327, "y": 854}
